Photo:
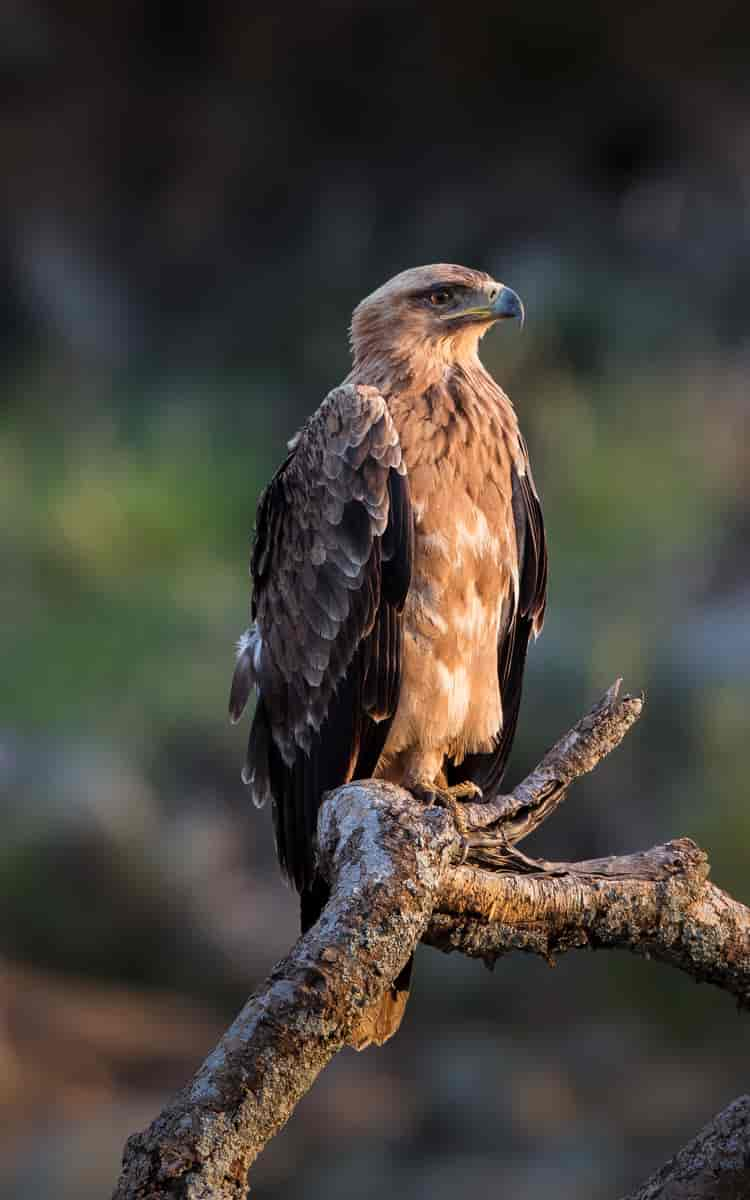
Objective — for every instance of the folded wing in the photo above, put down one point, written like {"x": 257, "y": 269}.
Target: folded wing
{"x": 331, "y": 569}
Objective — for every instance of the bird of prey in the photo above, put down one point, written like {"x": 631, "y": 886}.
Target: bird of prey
{"x": 399, "y": 569}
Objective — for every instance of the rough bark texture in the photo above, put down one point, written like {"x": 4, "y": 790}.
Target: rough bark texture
{"x": 384, "y": 857}
{"x": 714, "y": 1166}
{"x": 399, "y": 873}
{"x": 658, "y": 904}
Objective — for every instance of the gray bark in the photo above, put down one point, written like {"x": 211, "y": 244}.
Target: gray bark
{"x": 714, "y": 1166}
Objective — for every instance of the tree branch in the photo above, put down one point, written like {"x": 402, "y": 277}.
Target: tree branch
{"x": 398, "y": 874}
{"x": 714, "y": 1166}
{"x": 384, "y": 856}
{"x": 575, "y": 754}
{"x": 658, "y": 904}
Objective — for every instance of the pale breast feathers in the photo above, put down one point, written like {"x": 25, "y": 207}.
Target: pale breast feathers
{"x": 521, "y": 617}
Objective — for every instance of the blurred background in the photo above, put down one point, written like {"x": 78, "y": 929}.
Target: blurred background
{"x": 192, "y": 200}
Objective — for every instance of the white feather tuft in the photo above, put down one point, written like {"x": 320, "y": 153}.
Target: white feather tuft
{"x": 251, "y": 642}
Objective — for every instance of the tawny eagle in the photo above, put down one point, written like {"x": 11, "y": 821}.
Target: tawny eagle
{"x": 399, "y": 569}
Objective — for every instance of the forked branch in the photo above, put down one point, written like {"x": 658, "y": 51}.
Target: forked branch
{"x": 398, "y": 873}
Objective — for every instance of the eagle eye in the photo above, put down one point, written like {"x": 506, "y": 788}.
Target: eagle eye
{"x": 440, "y": 297}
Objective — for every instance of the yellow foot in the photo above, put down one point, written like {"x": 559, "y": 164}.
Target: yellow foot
{"x": 449, "y": 798}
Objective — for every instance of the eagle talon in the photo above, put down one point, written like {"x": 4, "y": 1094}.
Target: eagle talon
{"x": 467, "y": 791}
{"x": 449, "y": 798}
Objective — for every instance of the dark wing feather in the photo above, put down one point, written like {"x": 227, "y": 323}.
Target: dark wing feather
{"x": 331, "y": 568}
{"x": 521, "y": 619}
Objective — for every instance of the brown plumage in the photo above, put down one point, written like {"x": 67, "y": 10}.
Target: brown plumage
{"x": 399, "y": 570}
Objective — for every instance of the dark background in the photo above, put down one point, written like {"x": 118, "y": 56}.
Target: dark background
{"x": 192, "y": 199}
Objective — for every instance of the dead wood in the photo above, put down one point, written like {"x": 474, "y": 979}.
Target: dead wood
{"x": 714, "y": 1166}
{"x": 399, "y": 873}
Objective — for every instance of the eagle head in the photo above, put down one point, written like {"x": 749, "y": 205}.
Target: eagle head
{"x": 440, "y": 310}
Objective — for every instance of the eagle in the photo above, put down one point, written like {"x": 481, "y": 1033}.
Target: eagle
{"x": 399, "y": 570}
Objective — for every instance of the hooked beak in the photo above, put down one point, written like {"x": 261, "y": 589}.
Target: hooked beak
{"x": 508, "y": 304}
{"x": 502, "y": 306}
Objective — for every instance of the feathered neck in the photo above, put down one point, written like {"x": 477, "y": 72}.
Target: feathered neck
{"x": 398, "y": 365}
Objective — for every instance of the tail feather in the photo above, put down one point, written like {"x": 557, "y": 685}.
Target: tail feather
{"x": 256, "y": 771}
{"x": 382, "y": 1019}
